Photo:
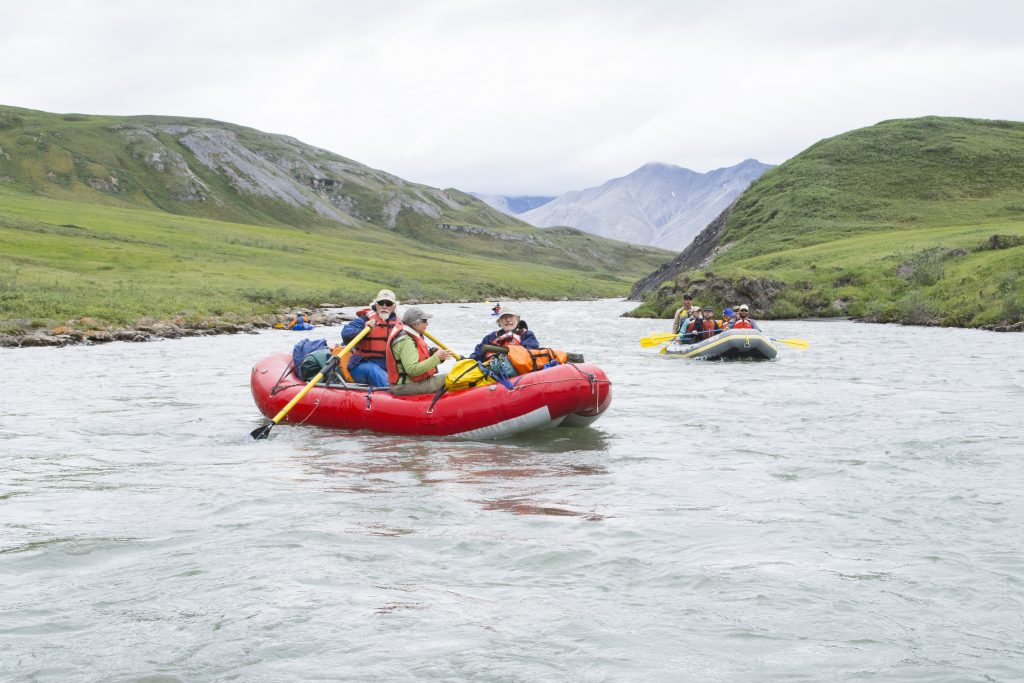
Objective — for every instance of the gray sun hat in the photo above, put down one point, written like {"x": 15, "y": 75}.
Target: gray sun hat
{"x": 414, "y": 315}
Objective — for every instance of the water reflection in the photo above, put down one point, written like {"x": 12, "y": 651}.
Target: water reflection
{"x": 520, "y": 476}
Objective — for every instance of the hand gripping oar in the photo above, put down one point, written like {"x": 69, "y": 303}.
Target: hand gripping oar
{"x": 799, "y": 343}
{"x": 264, "y": 431}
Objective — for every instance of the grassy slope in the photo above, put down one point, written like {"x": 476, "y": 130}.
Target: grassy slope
{"x": 65, "y": 260}
{"x": 76, "y": 245}
{"x": 887, "y": 222}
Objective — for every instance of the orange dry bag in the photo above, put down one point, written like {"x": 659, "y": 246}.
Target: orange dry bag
{"x": 528, "y": 360}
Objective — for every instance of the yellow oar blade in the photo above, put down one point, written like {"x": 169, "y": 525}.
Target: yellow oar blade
{"x": 799, "y": 343}
{"x": 657, "y": 339}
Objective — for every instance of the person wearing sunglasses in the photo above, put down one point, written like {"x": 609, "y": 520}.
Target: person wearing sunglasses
{"x": 369, "y": 357}
{"x": 412, "y": 364}
{"x": 744, "y": 321}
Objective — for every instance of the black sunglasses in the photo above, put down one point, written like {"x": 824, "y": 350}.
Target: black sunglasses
{"x": 385, "y": 303}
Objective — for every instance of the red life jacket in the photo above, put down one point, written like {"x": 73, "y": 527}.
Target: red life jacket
{"x": 397, "y": 375}
{"x": 375, "y": 344}
{"x": 514, "y": 340}
{"x": 743, "y": 324}
{"x": 707, "y": 328}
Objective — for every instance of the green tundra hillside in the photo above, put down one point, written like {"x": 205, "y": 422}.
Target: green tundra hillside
{"x": 917, "y": 221}
{"x": 121, "y": 218}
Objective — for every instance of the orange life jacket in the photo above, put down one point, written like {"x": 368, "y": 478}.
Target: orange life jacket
{"x": 375, "y": 344}
{"x": 743, "y": 324}
{"x": 398, "y": 375}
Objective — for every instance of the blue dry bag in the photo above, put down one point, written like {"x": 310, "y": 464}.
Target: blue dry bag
{"x": 304, "y": 348}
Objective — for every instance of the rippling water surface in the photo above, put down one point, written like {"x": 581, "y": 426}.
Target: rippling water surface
{"x": 851, "y": 512}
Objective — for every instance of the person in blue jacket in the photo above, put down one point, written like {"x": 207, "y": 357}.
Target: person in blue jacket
{"x": 509, "y": 332}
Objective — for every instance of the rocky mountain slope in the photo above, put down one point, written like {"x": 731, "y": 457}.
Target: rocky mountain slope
{"x": 214, "y": 170}
{"x": 117, "y": 219}
{"x": 657, "y": 204}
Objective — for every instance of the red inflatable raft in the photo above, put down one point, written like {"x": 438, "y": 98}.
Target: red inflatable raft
{"x": 570, "y": 395}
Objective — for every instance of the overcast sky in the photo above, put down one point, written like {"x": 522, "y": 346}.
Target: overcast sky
{"x": 522, "y": 97}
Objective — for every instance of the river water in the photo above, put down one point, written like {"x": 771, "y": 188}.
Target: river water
{"x": 852, "y": 512}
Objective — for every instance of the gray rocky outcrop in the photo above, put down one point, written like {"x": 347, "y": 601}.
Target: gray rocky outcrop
{"x": 698, "y": 254}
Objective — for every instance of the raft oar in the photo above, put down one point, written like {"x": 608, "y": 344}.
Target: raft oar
{"x": 657, "y": 339}
{"x": 664, "y": 337}
{"x": 440, "y": 344}
{"x": 264, "y": 431}
{"x": 799, "y": 343}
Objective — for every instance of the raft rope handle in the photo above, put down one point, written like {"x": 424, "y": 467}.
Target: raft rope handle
{"x": 592, "y": 379}
{"x": 369, "y": 399}
{"x": 316, "y": 404}
{"x": 277, "y": 385}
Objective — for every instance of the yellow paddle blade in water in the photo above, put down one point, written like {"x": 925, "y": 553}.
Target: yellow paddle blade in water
{"x": 799, "y": 343}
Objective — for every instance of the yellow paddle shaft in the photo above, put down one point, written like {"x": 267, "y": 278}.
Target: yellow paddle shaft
{"x": 319, "y": 376}
{"x": 440, "y": 344}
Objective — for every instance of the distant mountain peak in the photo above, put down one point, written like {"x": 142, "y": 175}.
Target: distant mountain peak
{"x": 658, "y": 204}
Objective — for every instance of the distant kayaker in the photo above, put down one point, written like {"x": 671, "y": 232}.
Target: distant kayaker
{"x": 412, "y": 364}
{"x": 496, "y": 310}
{"x": 706, "y": 327}
{"x": 681, "y": 313}
{"x": 744, "y": 322}
{"x": 369, "y": 357}
{"x": 508, "y": 333}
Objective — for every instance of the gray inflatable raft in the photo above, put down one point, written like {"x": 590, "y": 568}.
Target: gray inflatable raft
{"x": 727, "y": 345}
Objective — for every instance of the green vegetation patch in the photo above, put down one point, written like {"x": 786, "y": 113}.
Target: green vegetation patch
{"x": 64, "y": 261}
{"x": 917, "y": 221}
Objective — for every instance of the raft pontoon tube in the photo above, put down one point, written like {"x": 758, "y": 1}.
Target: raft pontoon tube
{"x": 727, "y": 345}
{"x": 569, "y": 395}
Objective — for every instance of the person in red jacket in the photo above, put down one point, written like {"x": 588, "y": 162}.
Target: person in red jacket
{"x": 744, "y": 322}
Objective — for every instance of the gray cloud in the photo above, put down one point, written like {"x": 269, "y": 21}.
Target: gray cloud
{"x": 523, "y": 97}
